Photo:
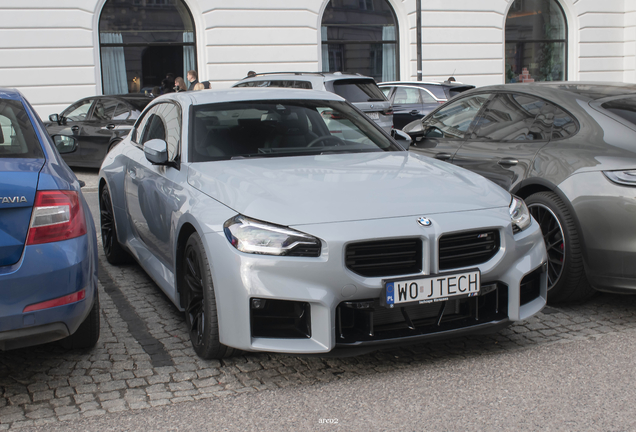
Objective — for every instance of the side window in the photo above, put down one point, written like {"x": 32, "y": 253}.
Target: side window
{"x": 78, "y": 111}
{"x": 155, "y": 129}
{"x": 104, "y": 109}
{"x": 564, "y": 126}
{"x": 453, "y": 120}
{"x": 163, "y": 121}
{"x": 515, "y": 117}
{"x": 386, "y": 91}
{"x": 407, "y": 96}
{"x": 427, "y": 97}
{"x": 122, "y": 112}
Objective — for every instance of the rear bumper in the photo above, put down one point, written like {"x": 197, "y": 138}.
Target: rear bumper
{"x": 47, "y": 271}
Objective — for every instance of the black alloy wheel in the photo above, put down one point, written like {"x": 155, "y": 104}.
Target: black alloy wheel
{"x": 566, "y": 273}
{"x": 200, "y": 312}
{"x": 113, "y": 250}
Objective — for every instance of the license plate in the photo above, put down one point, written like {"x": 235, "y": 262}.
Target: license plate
{"x": 373, "y": 115}
{"x": 433, "y": 288}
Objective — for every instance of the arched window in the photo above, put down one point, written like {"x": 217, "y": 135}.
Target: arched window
{"x": 360, "y": 36}
{"x": 142, "y": 41}
{"x": 536, "y": 41}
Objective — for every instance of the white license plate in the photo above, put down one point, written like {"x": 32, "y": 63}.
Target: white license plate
{"x": 373, "y": 115}
{"x": 433, "y": 288}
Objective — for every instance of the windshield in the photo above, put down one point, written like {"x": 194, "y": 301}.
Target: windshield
{"x": 237, "y": 130}
{"x": 625, "y": 108}
{"x": 17, "y": 137}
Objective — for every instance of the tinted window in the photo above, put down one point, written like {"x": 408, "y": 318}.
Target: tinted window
{"x": 624, "y": 108}
{"x": 281, "y": 128}
{"x": 510, "y": 117}
{"x": 277, "y": 83}
{"x": 358, "y": 90}
{"x": 17, "y": 137}
{"x": 104, "y": 109}
{"x": 455, "y": 119}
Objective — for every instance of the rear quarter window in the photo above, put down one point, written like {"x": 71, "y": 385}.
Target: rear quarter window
{"x": 17, "y": 136}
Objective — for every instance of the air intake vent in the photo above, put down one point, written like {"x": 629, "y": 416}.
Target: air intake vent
{"x": 467, "y": 248}
{"x": 385, "y": 257}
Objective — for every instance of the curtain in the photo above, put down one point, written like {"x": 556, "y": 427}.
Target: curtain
{"x": 188, "y": 54}
{"x": 388, "y": 54}
{"x": 113, "y": 64}
{"x": 325, "y": 50}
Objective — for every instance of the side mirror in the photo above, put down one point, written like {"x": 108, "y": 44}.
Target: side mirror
{"x": 55, "y": 118}
{"x": 415, "y": 130}
{"x": 65, "y": 144}
{"x": 156, "y": 151}
{"x": 401, "y": 137}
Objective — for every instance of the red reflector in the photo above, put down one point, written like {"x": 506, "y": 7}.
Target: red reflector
{"x": 57, "y": 216}
{"x": 60, "y": 301}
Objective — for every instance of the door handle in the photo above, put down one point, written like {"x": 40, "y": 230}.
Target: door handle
{"x": 110, "y": 126}
{"x": 75, "y": 128}
{"x": 414, "y": 112}
{"x": 508, "y": 162}
{"x": 443, "y": 156}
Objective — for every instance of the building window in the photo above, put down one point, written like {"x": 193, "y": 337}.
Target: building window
{"x": 360, "y": 36}
{"x": 144, "y": 41}
{"x": 536, "y": 41}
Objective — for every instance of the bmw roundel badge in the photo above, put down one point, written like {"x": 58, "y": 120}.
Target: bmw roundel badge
{"x": 424, "y": 221}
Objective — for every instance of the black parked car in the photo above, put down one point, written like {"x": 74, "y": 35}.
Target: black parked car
{"x": 87, "y": 130}
{"x": 569, "y": 150}
{"x": 412, "y": 100}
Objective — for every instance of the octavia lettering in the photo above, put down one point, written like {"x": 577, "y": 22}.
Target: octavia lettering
{"x": 13, "y": 200}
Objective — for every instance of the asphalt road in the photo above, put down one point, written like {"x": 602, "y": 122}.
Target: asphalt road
{"x": 569, "y": 368}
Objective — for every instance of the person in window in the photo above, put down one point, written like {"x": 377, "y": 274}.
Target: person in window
{"x": 180, "y": 85}
{"x": 193, "y": 78}
{"x": 199, "y": 86}
{"x": 251, "y": 74}
{"x": 167, "y": 86}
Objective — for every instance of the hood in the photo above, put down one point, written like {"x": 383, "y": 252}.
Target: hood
{"x": 343, "y": 187}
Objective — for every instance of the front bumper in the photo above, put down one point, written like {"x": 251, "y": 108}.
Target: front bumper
{"x": 324, "y": 282}
{"x": 44, "y": 272}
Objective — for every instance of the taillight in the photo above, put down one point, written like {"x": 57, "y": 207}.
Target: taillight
{"x": 57, "y": 215}
{"x": 388, "y": 111}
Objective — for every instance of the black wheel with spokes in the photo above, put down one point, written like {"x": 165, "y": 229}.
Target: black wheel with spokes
{"x": 114, "y": 251}
{"x": 566, "y": 274}
{"x": 200, "y": 313}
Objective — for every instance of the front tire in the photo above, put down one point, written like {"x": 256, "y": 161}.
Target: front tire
{"x": 566, "y": 273}
{"x": 201, "y": 312}
{"x": 113, "y": 250}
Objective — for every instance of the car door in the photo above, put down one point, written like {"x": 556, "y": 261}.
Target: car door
{"x": 407, "y": 106}
{"x": 444, "y": 131}
{"x": 506, "y": 137}
{"x": 97, "y": 131}
{"x": 153, "y": 191}
{"x": 70, "y": 124}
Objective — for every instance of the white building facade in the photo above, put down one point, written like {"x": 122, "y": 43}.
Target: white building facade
{"x": 56, "y": 52}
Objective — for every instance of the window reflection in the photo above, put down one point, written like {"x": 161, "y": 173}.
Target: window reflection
{"x": 360, "y": 36}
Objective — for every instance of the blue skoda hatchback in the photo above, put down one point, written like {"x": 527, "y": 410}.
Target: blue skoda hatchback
{"x": 48, "y": 246}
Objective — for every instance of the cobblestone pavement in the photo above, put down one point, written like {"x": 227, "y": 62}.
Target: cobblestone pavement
{"x": 144, "y": 357}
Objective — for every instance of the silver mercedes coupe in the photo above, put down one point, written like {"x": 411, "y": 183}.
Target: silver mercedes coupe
{"x": 285, "y": 220}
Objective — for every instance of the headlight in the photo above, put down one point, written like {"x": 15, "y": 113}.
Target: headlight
{"x": 625, "y": 178}
{"x": 252, "y": 236}
{"x": 519, "y": 214}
